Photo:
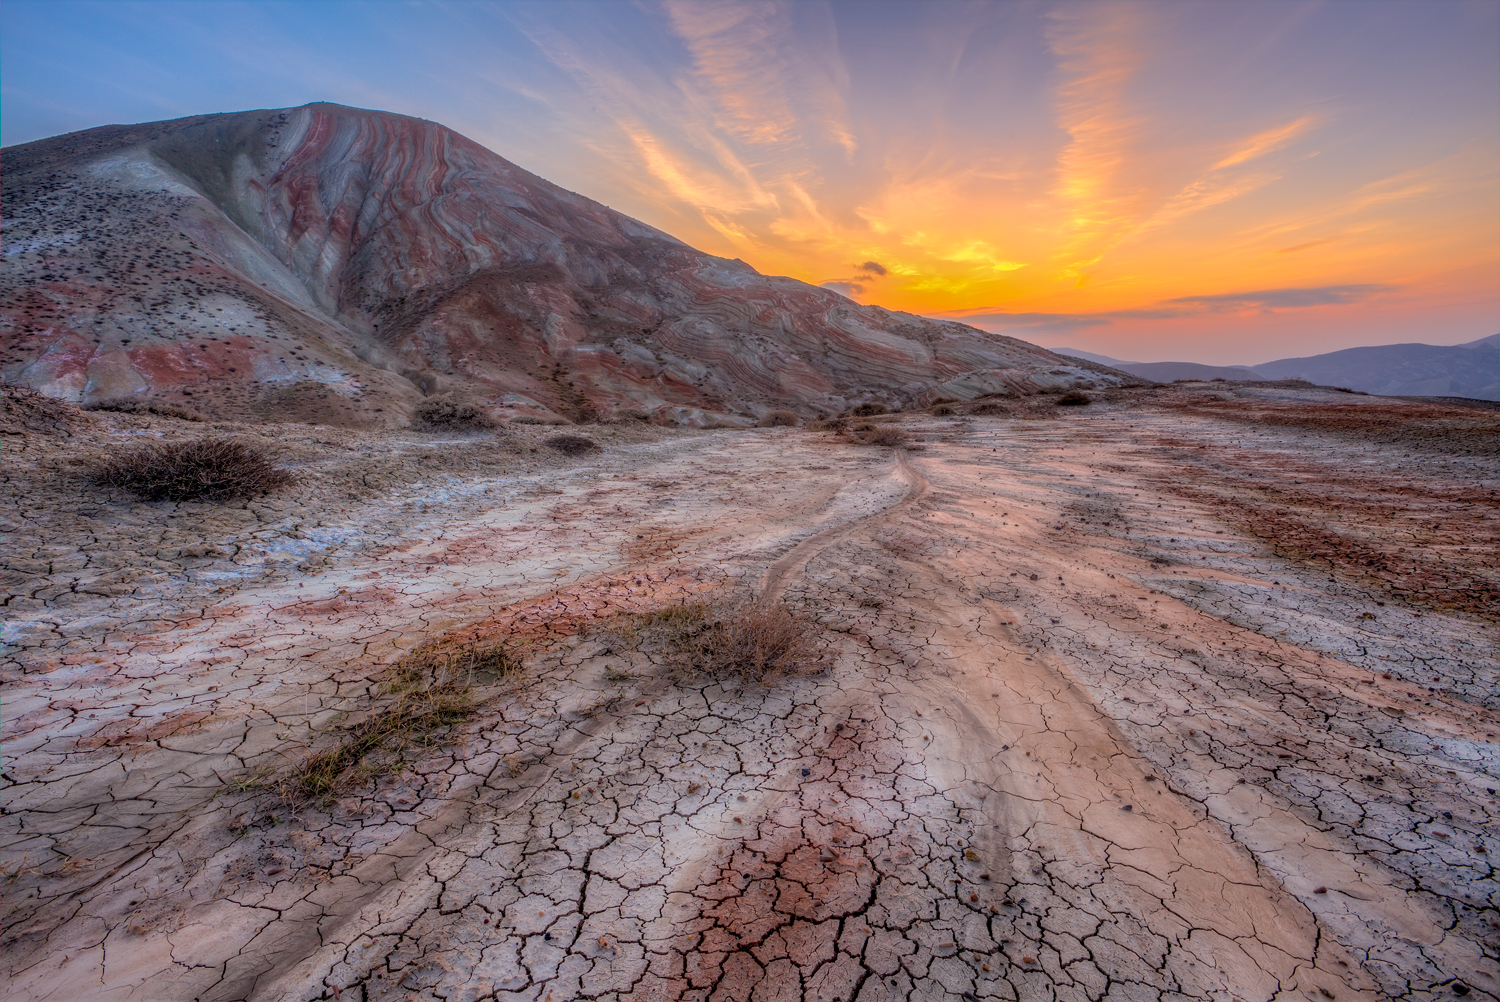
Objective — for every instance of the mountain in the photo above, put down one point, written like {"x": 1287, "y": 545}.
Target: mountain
{"x": 336, "y": 265}
{"x": 1395, "y": 370}
{"x": 1402, "y": 370}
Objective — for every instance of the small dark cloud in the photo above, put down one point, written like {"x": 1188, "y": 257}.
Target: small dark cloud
{"x": 1284, "y": 299}
{"x": 873, "y": 267}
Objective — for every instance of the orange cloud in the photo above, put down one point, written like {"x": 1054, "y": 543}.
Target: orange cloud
{"x": 1115, "y": 207}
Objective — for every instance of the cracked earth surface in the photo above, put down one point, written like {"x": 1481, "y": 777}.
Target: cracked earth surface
{"x": 1136, "y": 703}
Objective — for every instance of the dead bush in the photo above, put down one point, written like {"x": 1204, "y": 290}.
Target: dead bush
{"x": 571, "y": 445}
{"x": 989, "y": 409}
{"x": 427, "y": 692}
{"x": 126, "y": 405}
{"x": 942, "y": 410}
{"x": 779, "y": 419}
{"x": 870, "y": 409}
{"x": 1073, "y": 399}
{"x": 205, "y": 469}
{"x": 884, "y": 436}
{"x": 447, "y": 415}
{"x": 755, "y": 641}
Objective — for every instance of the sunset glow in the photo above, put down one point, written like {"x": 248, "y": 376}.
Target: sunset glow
{"x": 1220, "y": 182}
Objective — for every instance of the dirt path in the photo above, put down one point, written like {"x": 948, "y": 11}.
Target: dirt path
{"x": 1086, "y": 735}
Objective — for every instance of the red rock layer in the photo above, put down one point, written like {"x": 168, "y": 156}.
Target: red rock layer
{"x": 336, "y": 265}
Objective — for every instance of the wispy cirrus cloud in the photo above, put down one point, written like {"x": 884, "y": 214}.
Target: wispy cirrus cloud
{"x": 1098, "y": 51}
{"x": 769, "y": 89}
{"x": 1261, "y": 300}
{"x": 1266, "y": 142}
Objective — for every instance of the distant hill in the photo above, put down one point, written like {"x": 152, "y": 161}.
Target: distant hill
{"x": 1396, "y": 370}
{"x": 1166, "y": 372}
{"x": 1092, "y": 357}
{"x": 1402, "y": 370}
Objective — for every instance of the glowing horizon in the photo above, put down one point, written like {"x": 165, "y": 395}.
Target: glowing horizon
{"x": 1215, "y": 182}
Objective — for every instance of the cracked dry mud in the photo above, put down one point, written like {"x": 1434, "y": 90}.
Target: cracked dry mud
{"x": 1144, "y": 702}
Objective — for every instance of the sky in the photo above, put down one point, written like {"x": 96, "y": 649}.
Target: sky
{"x": 1205, "y": 180}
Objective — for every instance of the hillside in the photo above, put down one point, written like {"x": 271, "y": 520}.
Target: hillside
{"x": 336, "y": 265}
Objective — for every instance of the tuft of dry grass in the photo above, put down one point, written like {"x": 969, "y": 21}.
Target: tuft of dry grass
{"x": 759, "y": 642}
{"x": 943, "y": 410}
{"x": 447, "y": 415}
{"x": 1073, "y": 399}
{"x": 571, "y": 445}
{"x": 779, "y": 419}
{"x": 755, "y": 641}
{"x": 884, "y": 436}
{"x": 427, "y": 691}
{"x": 204, "y": 469}
{"x": 870, "y": 409}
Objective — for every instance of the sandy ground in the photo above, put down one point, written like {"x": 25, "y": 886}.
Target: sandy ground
{"x": 1191, "y": 695}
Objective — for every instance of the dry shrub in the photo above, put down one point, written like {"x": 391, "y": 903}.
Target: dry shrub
{"x": 884, "y": 436}
{"x": 870, "y": 409}
{"x": 779, "y": 419}
{"x": 205, "y": 469}
{"x": 989, "y": 409}
{"x": 446, "y": 415}
{"x": 755, "y": 641}
{"x": 126, "y": 405}
{"x": 571, "y": 445}
{"x": 1073, "y": 399}
{"x": 942, "y": 410}
{"x": 427, "y": 691}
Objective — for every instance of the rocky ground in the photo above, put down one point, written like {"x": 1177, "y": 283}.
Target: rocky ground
{"x": 1190, "y": 693}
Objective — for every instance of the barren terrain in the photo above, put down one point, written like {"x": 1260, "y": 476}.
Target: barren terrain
{"x": 1187, "y": 694}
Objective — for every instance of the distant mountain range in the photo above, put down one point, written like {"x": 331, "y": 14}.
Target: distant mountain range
{"x": 1394, "y": 370}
